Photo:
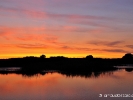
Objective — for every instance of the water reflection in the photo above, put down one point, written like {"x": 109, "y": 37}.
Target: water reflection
{"x": 68, "y": 73}
{"x": 10, "y": 68}
{"x": 128, "y": 68}
{"x": 86, "y": 74}
{"x": 65, "y": 86}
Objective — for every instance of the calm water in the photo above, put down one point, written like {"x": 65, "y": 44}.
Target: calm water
{"x": 55, "y": 86}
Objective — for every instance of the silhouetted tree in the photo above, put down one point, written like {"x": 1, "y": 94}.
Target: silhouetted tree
{"x": 128, "y": 56}
{"x": 42, "y": 56}
{"x": 89, "y": 57}
{"x": 128, "y": 69}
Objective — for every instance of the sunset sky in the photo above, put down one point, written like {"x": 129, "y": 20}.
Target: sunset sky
{"x": 71, "y": 28}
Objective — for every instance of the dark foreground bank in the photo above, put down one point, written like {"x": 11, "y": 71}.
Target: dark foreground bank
{"x": 64, "y": 64}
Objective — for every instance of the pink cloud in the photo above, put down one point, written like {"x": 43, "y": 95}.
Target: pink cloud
{"x": 16, "y": 37}
{"x": 42, "y": 14}
{"x": 32, "y": 46}
{"x": 20, "y": 33}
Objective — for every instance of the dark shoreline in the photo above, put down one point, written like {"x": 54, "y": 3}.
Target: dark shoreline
{"x": 77, "y": 66}
{"x": 63, "y": 62}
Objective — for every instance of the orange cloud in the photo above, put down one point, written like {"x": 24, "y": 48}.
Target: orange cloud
{"x": 36, "y": 40}
{"x": 20, "y": 35}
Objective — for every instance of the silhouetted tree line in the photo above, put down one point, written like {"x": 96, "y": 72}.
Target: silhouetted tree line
{"x": 63, "y": 63}
{"x": 71, "y": 67}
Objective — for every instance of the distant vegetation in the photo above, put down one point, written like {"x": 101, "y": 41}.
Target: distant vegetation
{"x": 61, "y": 62}
{"x": 73, "y": 66}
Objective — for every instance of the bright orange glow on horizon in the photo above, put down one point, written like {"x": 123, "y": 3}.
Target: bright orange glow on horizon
{"x": 65, "y": 55}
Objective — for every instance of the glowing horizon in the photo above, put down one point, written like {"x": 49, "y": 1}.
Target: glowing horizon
{"x": 64, "y": 55}
{"x": 66, "y": 28}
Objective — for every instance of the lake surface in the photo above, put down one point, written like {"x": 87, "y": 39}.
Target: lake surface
{"x": 56, "y": 86}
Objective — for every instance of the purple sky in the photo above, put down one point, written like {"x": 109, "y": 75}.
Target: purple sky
{"x": 73, "y": 28}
